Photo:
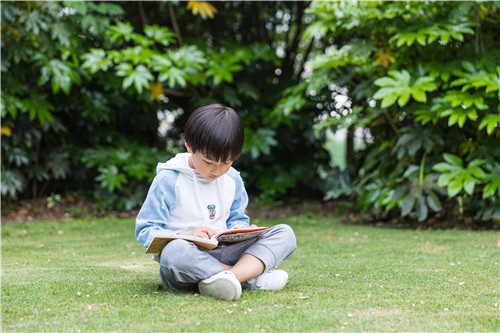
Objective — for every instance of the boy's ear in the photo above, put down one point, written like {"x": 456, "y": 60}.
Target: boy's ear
{"x": 187, "y": 147}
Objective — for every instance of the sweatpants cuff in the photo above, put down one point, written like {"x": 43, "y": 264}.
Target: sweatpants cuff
{"x": 261, "y": 252}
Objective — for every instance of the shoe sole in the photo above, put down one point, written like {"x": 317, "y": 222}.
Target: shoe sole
{"x": 222, "y": 288}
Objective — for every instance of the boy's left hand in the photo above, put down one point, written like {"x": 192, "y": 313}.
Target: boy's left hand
{"x": 203, "y": 232}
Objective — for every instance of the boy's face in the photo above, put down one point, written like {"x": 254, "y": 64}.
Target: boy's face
{"x": 208, "y": 169}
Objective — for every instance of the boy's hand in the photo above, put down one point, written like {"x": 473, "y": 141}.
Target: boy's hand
{"x": 203, "y": 232}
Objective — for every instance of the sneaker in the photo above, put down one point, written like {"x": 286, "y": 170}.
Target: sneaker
{"x": 223, "y": 285}
{"x": 271, "y": 280}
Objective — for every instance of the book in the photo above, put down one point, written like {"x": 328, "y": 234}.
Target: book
{"x": 228, "y": 236}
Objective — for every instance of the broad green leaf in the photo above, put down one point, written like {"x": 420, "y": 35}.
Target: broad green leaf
{"x": 422, "y": 210}
{"x": 176, "y": 76}
{"x": 469, "y": 184}
{"x": 419, "y": 95}
{"x": 61, "y": 75}
{"x": 383, "y": 92}
{"x": 161, "y": 35}
{"x": 489, "y": 190}
{"x": 124, "y": 69}
{"x": 491, "y": 122}
{"x": 60, "y": 31}
{"x": 386, "y": 81}
{"x": 389, "y": 99}
{"x": 95, "y": 25}
{"x": 404, "y": 97}
{"x": 111, "y": 178}
{"x": 189, "y": 56}
{"x": 444, "y": 179}
{"x": 407, "y": 204}
{"x": 79, "y": 6}
{"x": 140, "y": 77}
{"x": 433, "y": 201}
{"x": 452, "y": 159}
{"x": 96, "y": 60}
{"x": 108, "y": 8}
{"x": 37, "y": 106}
{"x": 120, "y": 32}
{"x": 454, "y": 187}
{"x": 401, "y": 86}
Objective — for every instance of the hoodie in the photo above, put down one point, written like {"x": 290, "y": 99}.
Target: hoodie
{"x": 180, "y": 200}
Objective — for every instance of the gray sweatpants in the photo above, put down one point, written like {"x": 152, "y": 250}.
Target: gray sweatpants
{"x": 183, "y": 264}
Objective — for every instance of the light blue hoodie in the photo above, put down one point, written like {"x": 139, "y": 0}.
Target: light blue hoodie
{"x": 180, "y": 200}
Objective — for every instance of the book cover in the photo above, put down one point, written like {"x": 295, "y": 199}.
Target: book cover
{"x": 228, "y": 236}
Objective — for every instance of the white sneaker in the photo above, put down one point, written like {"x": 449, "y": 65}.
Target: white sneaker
{"x": 223, "y": 285}
{"x": 271, "y": 280}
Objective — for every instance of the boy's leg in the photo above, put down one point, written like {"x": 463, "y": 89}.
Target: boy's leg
{"x": 254, "y": 256}
{"x": 183, "y": 265}
{"x": 276, "y": 245}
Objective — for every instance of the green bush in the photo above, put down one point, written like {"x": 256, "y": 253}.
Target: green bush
{"x": 423, "y": 80}
{"x": 123, "y": 173}
{"x": 83, "y": 83}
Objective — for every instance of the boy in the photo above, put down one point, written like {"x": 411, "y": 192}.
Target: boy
{"x": 198, "y": 193}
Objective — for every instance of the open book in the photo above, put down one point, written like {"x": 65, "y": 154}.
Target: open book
{"x": 228, "y": 236}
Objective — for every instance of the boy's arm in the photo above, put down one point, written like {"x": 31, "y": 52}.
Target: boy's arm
{"x": 237, "y": 217}
{"x": 155, "y": 212}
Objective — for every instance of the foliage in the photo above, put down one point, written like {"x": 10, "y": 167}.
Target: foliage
{"x": 55, "y": 106}
{"x": 82, "y": 79}
{"x": 455, "y": 176}
{"x": 83, "y": 84}
{"x": 423, "y": 81}
{"x": 399, "y": 88}
{"x": 123, "y": 173}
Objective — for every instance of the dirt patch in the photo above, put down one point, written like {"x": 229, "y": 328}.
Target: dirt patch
{"x": 438, "y": 221}
{"x": 74, "y": 207}
{"x": 79, "y": 207}
{"x": 70, "y": 207}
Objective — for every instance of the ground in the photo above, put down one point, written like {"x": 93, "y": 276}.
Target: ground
{"x": 74, "y": 207}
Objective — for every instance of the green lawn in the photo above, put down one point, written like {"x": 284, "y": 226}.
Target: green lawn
{"x": 92, "y": 275}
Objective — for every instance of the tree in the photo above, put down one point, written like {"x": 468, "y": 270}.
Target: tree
{"x": 83, "y": 83}
{"x": 423, "y": 80}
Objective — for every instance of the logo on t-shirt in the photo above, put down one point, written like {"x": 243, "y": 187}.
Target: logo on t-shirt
{"x": 211, "y": 211}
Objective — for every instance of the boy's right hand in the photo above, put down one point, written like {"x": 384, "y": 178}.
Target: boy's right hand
{"x": 203, "y": 232}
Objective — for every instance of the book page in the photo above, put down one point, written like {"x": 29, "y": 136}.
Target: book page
{"x": 239, "y": 235}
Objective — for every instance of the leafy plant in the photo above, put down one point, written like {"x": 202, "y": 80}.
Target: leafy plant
{"x": 492, "y": 179}
{"x": 455, "y": 176}
{"x": 400, "y": 87}
{"x": 434, "y": 94}
{"x": 123, "y": 173}
{"x": 418, "y": 192}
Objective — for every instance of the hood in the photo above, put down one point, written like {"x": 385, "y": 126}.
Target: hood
{"x": 181, "y": 163}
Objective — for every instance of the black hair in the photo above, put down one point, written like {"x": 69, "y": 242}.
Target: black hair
{"x": 216, "y": 131}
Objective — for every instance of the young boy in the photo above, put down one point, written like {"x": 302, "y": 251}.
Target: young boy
{"x": 198, "y": 193}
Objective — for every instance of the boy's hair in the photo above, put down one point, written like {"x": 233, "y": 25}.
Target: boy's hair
{"x": 216, "y": 131}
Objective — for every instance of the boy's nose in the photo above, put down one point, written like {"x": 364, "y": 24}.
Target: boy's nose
{"x": 216, "y": 169}
{"x": 220, "y": 169}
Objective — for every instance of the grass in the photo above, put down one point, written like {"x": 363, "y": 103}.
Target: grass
{"x": 92, "y": 275}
